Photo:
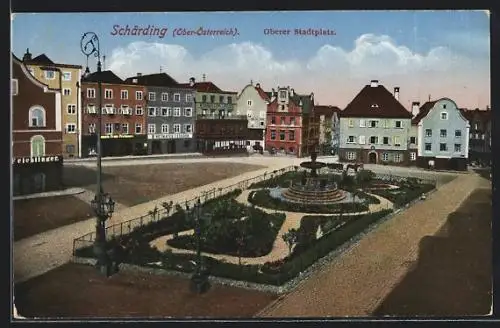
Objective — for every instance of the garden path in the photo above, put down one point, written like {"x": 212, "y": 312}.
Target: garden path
{"x": 280, "y": 248}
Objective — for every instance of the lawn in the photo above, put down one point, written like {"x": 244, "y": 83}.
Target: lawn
{"x": 79, "y": 291}
{"x": 36, "y": 215}
{"x": 136, "y": 184}
{"x": 453, "y": 274}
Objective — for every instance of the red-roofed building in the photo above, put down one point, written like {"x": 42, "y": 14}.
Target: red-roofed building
{"x": 374, "y": 128}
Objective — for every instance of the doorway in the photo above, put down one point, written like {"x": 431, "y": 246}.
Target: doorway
{"x": 156, "y": 147}
{"x": 372, "y": 158}
{"x": 171, "y": 147}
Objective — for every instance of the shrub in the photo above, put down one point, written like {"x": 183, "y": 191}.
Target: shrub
{"x": 404, "y": 195}
{"x": 282, "y": 180}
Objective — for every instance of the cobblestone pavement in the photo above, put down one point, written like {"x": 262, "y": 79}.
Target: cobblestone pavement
{"x": 355, "y": 283}
{"x": 280, "y": 248}
{"x": 38, "y": 254}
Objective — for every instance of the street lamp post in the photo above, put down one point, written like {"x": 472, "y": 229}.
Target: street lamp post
{"x": 102, "y": 204}
{"x": 199, "y": 280}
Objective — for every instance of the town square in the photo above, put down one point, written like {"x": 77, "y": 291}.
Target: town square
{"x": 330, "y": 171}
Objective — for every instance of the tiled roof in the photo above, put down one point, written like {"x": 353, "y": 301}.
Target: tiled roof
{"x": 264, "y": 95}
{"x": 104, "y": 77}
{"x": 307, "y": 104}
{"x": 42, "y": 59}
{"x": 207, "y": 87}
{"x": 375, "y": 101}
{"x": 159, "y": 79}
{"x": 325, "y": 110}
{"x": 423, "y": 111}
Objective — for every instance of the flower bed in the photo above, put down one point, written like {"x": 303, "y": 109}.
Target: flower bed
{"x": 404, "y": 194}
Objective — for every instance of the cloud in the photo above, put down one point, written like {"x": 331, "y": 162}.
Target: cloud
{"x": 333, "y": 73}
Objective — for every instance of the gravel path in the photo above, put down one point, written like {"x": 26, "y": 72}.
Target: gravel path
{"x": 355, "y": 283}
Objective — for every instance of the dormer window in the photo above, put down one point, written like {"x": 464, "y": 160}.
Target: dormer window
{"x": 374, "y": 105}
{"x": 282, "y": 94}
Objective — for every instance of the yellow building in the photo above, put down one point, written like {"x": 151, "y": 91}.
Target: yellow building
{"x": 67, "y": 79}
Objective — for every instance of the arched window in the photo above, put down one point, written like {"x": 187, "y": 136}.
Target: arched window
{"x": 37, "y": 146}
{"x": 37, "y": 116}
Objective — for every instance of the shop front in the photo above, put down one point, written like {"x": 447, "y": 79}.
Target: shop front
{"x": 115, "y": 145}
{"x": 37, "y": 174}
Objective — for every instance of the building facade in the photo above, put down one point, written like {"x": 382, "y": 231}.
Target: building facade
{"x": 170, "y": 114}
{"x": 480, "y": 135}
{"x": 374, "y": 128}
{"x": 123, "y": 130}
{"x": 37, "y": 135}
{"x": 65, "y": 78}
{"x": 443, "y": 135}
{"x": 252, "y": 102}
{"x": 292, "y": 127}
{"x": 329, "y": 128}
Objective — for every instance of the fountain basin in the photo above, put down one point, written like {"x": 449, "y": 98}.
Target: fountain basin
{"x": 317, "y": 197}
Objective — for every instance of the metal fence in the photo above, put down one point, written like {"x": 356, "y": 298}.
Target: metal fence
{"x": 126, "y": 227}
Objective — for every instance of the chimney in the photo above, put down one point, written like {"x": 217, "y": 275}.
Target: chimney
{"x": 292, "y": 92}
{"x": 312, "y": 97}
{"x": 374, "y": 83}
{"x": 191, "y": 81}
{"x": 27, "y": 55}
{"x": 396, "y": 93}
{"x": 415, "y": 108}
{"x": 257, "y": 85}
{"x": 103, "y": 63}
{"x": 139, "y": 74}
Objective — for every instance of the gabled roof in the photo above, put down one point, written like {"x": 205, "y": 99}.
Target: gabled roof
{"x": 207, "y": 87}
{"x": 325, "y": 110}
{"x": 386, "y": 105}
{"x": 264, "y": 95}
{"x": 31, "y": 77}
{"x": 42, "y": 59}
{"x": 423, "y": 111}
{"x": 159, "y": 79}
{"x": 104, "y": 77}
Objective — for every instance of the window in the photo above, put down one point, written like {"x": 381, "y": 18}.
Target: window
{"x": 291, "y": 135}
{"x": 139, "y": 110}
{"x": 164, "y": 96}
{"x": 164, "y": 128}
{"x": 273, "y": 120}
{"x": 151, "y": 111}
{"x": 350, "y": 139}
{"x": 66, "y": 76}
{"x": 177, "y": 128}
{"x": 164, "y": 111}
{"x": 91, "y": 128}
{"x": 177, "y": 97}
{"x": 385, "y": 140}
{"x": 444, "y": 115}
{"x": 71, "y": 128}
{"x": 351, "y": 123}
{"x": 108, "y": 94}
{"x": 458, "y": 148}
{"x": 373, "y": 124}
{"x": 249, "y": 103}
{"x": 458, "y": 133}
{"x": 282, "y": 94}
{"x": 177, "y": 112}
{"x": 442, "y": 133}
{"x": 90, "y": 93}
{"x": 157, "y": 111}
{"x": 221, "y": 99}
{"x": 362, "y": 123}
{"x": 123, "y": 94}
{"x": 15, "y": 87}
{"x": 66, "y": 92}
{"x": 292, "y": 120}
{"x": 428, "y": 147}
{"x": 273, "y": 135}
{"x": 37, "y": 144}
{"x": 398, "y": 158}
{"x": 413, "y": 156}
{"x": 71, "y": 109}
{"x": 361, "y": 140}
{"x": 444, "y": 106}
{"x": 50, "y": 75}
{"x": 476, "y": 126}
{"x": 385, "y": 157}
{"x": 37, "y": 117}
{"x": 443, "y": 147}
{"x": 108, "y": 128}
{"x": 428, "y": 132}
{"x": 189, "y": 97}
{"x": 188, "y": 128}
{"x": 151, "y": 96}
{"x": 204, "y": 98}
{"x": 138, "y": 128}
{"x": 151, "y": 128}
{"x": 477, "y": 135}
{"x": 282, "y": 135}
{"x": 212, "y": 99}
{"x": 188, "y": 112}
{"x": 397, "y": 141}
{"x": 282, "y": 120}
{"x": 351, "y": 155}
{"x": 138, "y": 95}
{"x": 169, "y": 112}
{"x": 229, "y": 100}
{"x": 373, "y": 140}
{"x": 413, "y": 140}
{"x": 386, "y": 124}
{"x": 125, "y": 128}
{"x": 482, "y": 136}
{"x": 398, "y": 124}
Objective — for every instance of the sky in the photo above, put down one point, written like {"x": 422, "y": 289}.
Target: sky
{"x": 426, "y": 53}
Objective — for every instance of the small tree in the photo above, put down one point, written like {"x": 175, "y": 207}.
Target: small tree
{"x": 290, "y": 238}
{"x": 167, "y": 206}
